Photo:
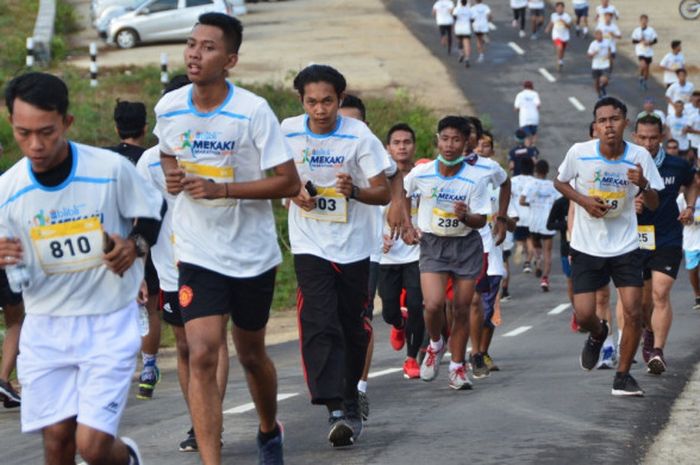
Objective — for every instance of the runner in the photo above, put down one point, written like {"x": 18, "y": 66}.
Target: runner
{"x": 672, "y": 62}
{"x": 481, "y": 16}
{"x": 442, "y": 11}
{"x": 522, "y": 150}
{"x": 539, "y": 197}
{"x": 691, "y": 241}
{"x": 527, "y": 104}
{"x": 678, "y": 125}
{"x": 216, "y": 142}
{"x": 63, "y": 248}
{"x": 13, "y": 313}
{"x": 644, "y": 37}
{"x": 452, "y": 207}
{"x": 649, "y": 107}
{"x": 399, "y": 273}
{"x": 559, "y": 25}
{"x": 558, "y": 221}
{"x": 604, "y": 238}
{"x": 611, "y": 33}
{"x": 661, "y": 240}
{"x": 463, "y": 30}
{"x": 605, "y": 8}
{"x": 536, "y": 8}
{"x": 523, "y": 242}
{"x": 672, "y": 147}
{"x": 693, "y": 112}
{"x": 519, "y": 8}
{"x": 600, "y": 53}
{"x": 130, "y": 124}
{"x": 681, "y": 90}
{"x": 581, "y": 11}
{"x": 342, "y": 165}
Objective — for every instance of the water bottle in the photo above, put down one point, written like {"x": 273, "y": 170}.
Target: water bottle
{"x": 18, "y": 277}
{"x": 143, "y": 320}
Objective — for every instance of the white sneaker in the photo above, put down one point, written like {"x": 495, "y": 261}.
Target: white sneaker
{"x": 515, "y": 23}
{"x": 134, "y": 454}
{"x": 522, "y": 34}
{"x": 431, "y": 363}
{"x": 607, "y": 358}
{"x": 459, "y": 379}
{"x": 481, "y": 58}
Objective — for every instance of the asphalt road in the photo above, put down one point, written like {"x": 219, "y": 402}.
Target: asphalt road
{"x": 541, "y": 408}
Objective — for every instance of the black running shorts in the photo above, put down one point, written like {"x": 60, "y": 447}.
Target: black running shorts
{"x": 590, "y": 273}
{"x": 666, "y": 260}
{"x": 170, "y": 306}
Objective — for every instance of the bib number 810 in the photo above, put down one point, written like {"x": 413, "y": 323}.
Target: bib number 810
{"x": 81, "y": 243}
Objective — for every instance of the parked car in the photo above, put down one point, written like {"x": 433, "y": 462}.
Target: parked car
{"x": 108, "y": 13}
{"x": 97, "y": 7}
{"x": 160, "y": 20}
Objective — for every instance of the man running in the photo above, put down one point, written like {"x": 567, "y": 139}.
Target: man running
{"x": 463, "y": 30}
{"x": 481, "y": 18}
{"x": 523, "y": 242}
{"x": 644, "y": 37}
{"x": 442, "y": 11}
{"x": 581, "y": 12}
{"x": 672, "y": 62}
{"x": 13, "y": 313}
{"x": 519, "y": 8}
{"x": 605, "y": 8}
{"x": 536, "y": 8}
{"x": 608, "y": 173}
{"x": 681, "y": 90}
{"x": 217, "y": 141}
{"x": 611, "y": 33}
{"x": 691, "y": 240}
{"x": 560, "y": 26}
{"x": 527, "y": 104}
{"x": 75, "y": 218}
{"x": 678, "y": 125}
{"x": 661, "y": 240}
{"x": 600, "y": 52}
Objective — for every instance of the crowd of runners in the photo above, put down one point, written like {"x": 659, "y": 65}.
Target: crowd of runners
{"x": 98, "y": 247}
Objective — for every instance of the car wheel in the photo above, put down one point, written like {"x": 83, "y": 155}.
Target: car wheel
{"x": 126, "y": 38}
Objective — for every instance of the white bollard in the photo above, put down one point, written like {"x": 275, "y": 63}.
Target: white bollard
{"x": 164, "y": 78}
{"x": 93, "y": 64}
{"x": 30, "y": 52}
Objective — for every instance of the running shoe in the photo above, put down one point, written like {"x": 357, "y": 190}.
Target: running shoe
{"x": 363, "y": 400}
{"x": 10, "y": 398}
{"x": 522, "y": 34}
{"x": 514, "y": 23}
{"x": 147, "y": 383}
{"x": 459, "y": 380}
{"x": 647, "y": 345}
{"x": 466, "y": 64}
{"x": 527, "y": 268}
{"x": 591, "y": 349}
{"x": 538, "y": 271}
{"x": 490, "y": 363}
{"x": 190, "y": 443}
{"x": 533, "y": 37}
{"x": 354, "y": 419}
{"x": 574, "y": 324}
{"x": 544, "y": 284}
{"x": 461, "y": 58}
{"x": 431, "y": 363}
{"x": 411, "y": 369}
{"x": 697, "y": 304}
{"x": 397, "y": 337}
{"x": 340, "y": 433}
{"x": 479, "y": 368}
{"x": 656, "y": 364}
{"x": 505, "y": 295}
{"x": 480, "y": 58}
{"x": 134, "y": 454}
{"x": 626, "y": 385}
{"x": 270, "y": 453}
{"x": 607, "y": 360}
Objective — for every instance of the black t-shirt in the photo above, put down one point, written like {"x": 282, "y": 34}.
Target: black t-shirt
{"x": 132, "y": 152}
{"x": 557, "y": 221}
{"x": 518, "y": 154}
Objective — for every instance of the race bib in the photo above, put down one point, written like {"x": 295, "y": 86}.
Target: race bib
{"x": 647, "y": 237}
{"x": 330, "y": 206}
{"x": 446, "y": 224}
{"x": 215, "y": 174}
{"x": 69, "y": 247}
{"x": 615, "y": 200}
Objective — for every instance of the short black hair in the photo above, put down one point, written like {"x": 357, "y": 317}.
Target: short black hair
{"x": 559, "y": 3}
{"x": 681, "y": 70}
{"x": 542, "y": 167}
{"x": 644, "y": 16}
{"x": 177, "y": 81}
{"x": 675, "y": 43}
{"x": 610, "y": 102}
{"x": 230, "y": 26}
{"x": 130, "y": 119}
{"x": 320, "y": 73}
{"x": 42, "y": 90}
{"x": 591, "y": 129}
{"x": 527, "y": 166}
{"x": 485, "y": 135}
{"x": 651, "y": 120}
{"x": 475, "y": 122}
{"x": 459, "y": 123}
{"x": 353, "y": 101}
{"x": 400, "y": 127}
{"x": 671, "y": 140}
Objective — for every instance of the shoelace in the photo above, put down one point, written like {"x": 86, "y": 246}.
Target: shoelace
{"x": 432, "y": 355}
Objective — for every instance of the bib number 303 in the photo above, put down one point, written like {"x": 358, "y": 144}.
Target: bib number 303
{"x": 69, "y": 247}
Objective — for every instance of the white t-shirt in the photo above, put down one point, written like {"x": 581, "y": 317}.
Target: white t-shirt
{"x": 649, "y": 35}
{"x": 401, "y": 253}
{"x": 695, "y": 124}
{"x": 61, "y": 231}
{"x": 673, "y": 62}
{"x": 678, "y": 92}
{"x": 541, "y": 195}
{"x": 535, "y": 4}
{"x": 691, "y": 233}
{"x": 601, "y": 10}
{"x": 601, "y": 54}
{"x": 443, "y": 12}
{"x": 162, "y": 252}
{"x": 594, "y": 175}
{"x": 438, "y": 195}
{"x": 675, "y": 126}
{"x": 561, "y": 22}
{"x": 463, "y": 20}
{"x": 480, "y": 14}
{"x": 518, "y": 186}
{"x": 610, "y": 33}
{"x": 339, "y": 230}
{"x": 527, "y": 102}
{"x": 237, "y": 142}
{"x": 517, "y": 4}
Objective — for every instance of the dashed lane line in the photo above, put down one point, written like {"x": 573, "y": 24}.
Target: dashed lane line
{"x": 558, "y": 309}
{"x": 516, "y": 48}
{"x": 517, "y": 331}
{"x": 251, "y": 406}
{"x": 388, "y": 371}
{"x": 547, "y": 75}
{"x": 577, "y": 104}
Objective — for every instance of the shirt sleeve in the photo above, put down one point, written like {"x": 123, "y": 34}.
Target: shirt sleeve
{"x": 409, "y": 182}
{"x": 135, "y": 198}
{"x": 592, "y": 49}
{"x": 651, "y": 172}
{"x": 680, "y": 200}
{"x": 371, "y": 155}
{"x": 567, "y": 169}
{"x": 664, "y": 61}
{"x": 480, "y": 201}
{"x": 516, "y": 103}
{"x": 498, "y": 176}
{"x": 268, "y": 138}
{"x": 670, "y": 90}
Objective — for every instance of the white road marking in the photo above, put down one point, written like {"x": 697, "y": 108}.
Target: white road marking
{"x": 517, "y": 48}
{"x": 517, "y": 331}
{"x": 492, "y": 26}
{"x": 388, "y": 371}
{"x": 251, "y": 406}
{"x": 558, "y": 309}
{"x": 578, "y": 105}
{"x": 547, "y": 75}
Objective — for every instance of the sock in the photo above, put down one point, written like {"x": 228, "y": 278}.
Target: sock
{"x": 149, "y": 360}
{"x": 619, "y": 336}
{"x": 455, "y": 365}
{"x": 436, "y": 345}
{"x": 264, "y": 437}
{"x": 336, "y": 413}
{"x": 608, "y": 341}
{"x": 585, "y": 30}
{"x": 362, "y": 386}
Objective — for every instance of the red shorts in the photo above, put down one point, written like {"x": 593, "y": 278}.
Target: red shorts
{"x": 560, "y": 43}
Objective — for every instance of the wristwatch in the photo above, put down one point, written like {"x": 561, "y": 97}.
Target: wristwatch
{"x": 140, "y": 243}
{"x": 355, "y": 192}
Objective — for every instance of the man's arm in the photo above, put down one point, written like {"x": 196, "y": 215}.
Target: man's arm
{"x": 595, "y": 206}
{"x": 399, "y": 215}
{"x": 378, "y": 192}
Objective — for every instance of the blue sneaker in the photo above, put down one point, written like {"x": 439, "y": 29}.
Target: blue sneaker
{"x": 150, "y": 376}
{"x": 270, "y": 453}
{"x": 607, "y": 359}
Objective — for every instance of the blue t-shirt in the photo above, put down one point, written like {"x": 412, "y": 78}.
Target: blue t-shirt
{"x": 518, "y": 154}
{"x": 675, "y": 172}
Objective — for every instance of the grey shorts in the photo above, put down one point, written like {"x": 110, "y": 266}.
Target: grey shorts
{"x": 460, "y": 256}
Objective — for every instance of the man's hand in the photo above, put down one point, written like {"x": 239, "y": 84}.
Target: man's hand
{"x": 343, "y": 184}
{"x": 595, "y": 206}
{"x": 686, "y": 216}
{"x": 122, "y": 255}
{"x": 397, "y": 218}
{"x": 387, "y": 243}
{"x": 10, "y": 251}
{"x": 200, "y": 188}
{"x": 461, "y": 210}
{"x": 636, "y": 176}
{"x": 173, "y": 180}
{"x": 304, "y": 200}
{"x": 142, "y": 298}
{"x": 638, "y": 205}
{"x": 499, "y": 232}
{"x": 411, "y": 235}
